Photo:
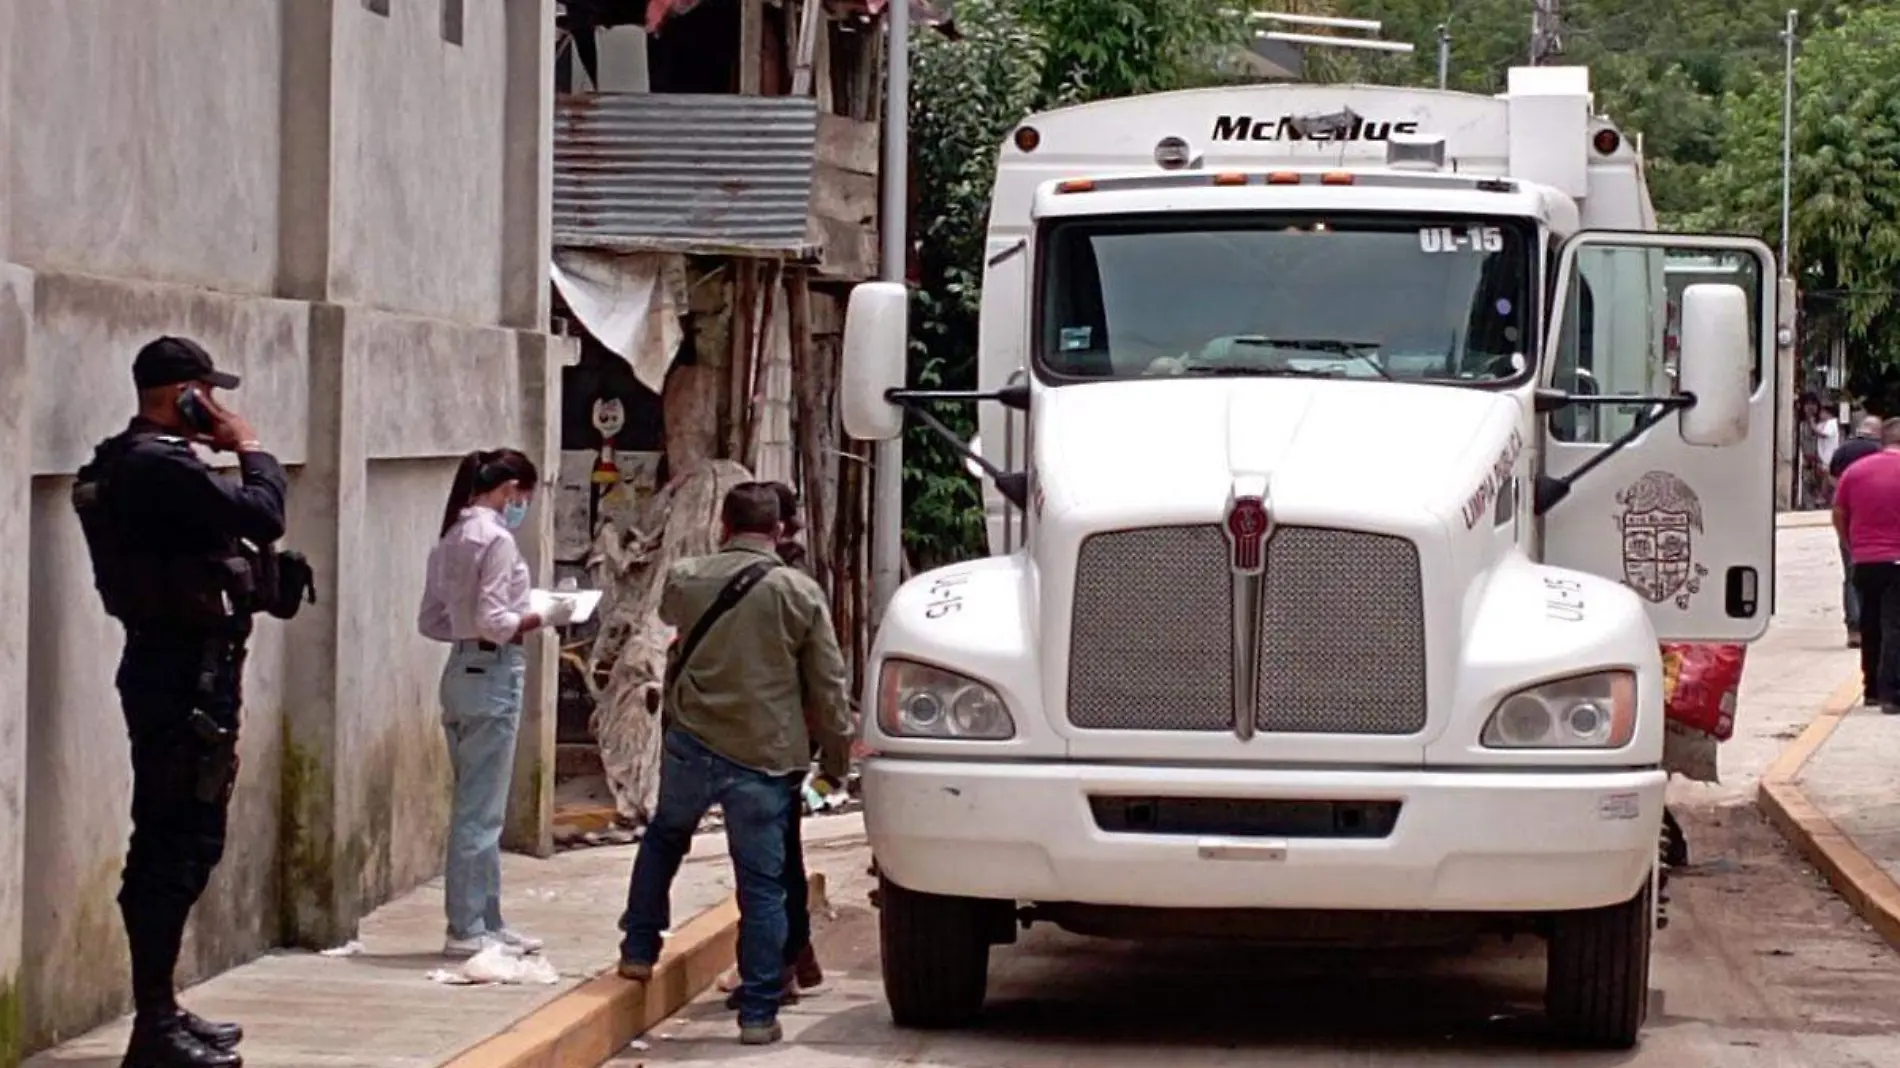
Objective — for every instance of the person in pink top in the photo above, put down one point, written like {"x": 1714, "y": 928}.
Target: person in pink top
{"x": 475, "y": 600}
{"x": 1867, "y": 517}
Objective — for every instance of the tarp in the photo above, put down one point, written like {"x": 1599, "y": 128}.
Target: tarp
{"x": 631, "y": 303}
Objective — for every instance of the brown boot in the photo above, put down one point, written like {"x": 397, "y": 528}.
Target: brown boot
{"x": 806, "y": 971}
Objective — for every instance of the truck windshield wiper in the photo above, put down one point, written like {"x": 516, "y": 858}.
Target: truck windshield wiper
{"x": 1353, "y": 349}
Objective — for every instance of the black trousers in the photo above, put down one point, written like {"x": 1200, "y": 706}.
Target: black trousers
{"x": 1879, "y": 589}
{"x": 797, "y": 891}
{"x": 178, "y": 691}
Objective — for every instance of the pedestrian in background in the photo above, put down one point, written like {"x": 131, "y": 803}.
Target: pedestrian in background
{"x": 1867, "y": 514}
{"x": 476, "y": 599}
{"x": 1864, "y": 443}
{"x": 169, "y": 539}
{"x": 758, "y": 651}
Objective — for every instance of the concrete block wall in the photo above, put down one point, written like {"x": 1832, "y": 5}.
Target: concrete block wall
{"x": 349, "y": 209}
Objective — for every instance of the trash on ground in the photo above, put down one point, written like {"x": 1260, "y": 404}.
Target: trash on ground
{"x": 499, "y": 964}
{"x": 351, "y": 948}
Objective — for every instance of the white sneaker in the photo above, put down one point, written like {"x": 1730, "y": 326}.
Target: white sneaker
{"x": 508, "y": 936}
{"x": 469, "y": 947}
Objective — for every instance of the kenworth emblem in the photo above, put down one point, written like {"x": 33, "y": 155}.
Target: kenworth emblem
{"x": 1248, "y": 526}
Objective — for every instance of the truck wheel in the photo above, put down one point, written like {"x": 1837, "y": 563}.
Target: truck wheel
{"x": 936, "y": 956}
{"x": 1597, "y": 990}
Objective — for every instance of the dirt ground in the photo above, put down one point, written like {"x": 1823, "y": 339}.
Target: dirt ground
{"x": 1761, "y": 966}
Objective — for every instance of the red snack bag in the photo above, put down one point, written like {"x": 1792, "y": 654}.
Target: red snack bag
{"x": 1700, "y": 685}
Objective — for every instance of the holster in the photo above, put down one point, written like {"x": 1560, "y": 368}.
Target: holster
{"x": 217, "y": 764}
{"x": 286, "y": 582}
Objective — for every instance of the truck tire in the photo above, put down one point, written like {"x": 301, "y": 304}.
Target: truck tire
{"x": 936, "y": 956}
{"x": 1596, "y": 993}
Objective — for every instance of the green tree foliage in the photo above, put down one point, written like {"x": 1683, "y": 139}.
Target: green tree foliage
{"x": 1845, "y": 181}
{"x": 1017, "y": 57}
{"x": 1660, "y": 68}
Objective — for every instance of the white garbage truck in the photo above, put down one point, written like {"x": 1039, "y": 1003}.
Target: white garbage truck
{"x": 1350, "y": 449}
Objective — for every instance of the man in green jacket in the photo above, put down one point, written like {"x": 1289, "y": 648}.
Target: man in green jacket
{"x": 757, "y": 653}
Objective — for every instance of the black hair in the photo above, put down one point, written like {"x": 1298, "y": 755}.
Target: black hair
{"x": 751, "y": 508}
{"x": 787, "y": 505}
{"x": 482, "y": 471}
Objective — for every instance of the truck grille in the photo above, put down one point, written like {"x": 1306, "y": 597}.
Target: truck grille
{"x": 1342, "y": 640}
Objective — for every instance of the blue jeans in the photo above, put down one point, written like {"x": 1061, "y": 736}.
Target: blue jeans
{"x": 757, "y": 808}
{"x": 1850, "y": 597}
{"x": 481, "y": 712}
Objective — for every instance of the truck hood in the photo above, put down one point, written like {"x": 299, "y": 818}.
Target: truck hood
{"x": 1348, "y": 453}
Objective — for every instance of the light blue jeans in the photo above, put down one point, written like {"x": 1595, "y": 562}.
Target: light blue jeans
{"x": 481, "y": 713}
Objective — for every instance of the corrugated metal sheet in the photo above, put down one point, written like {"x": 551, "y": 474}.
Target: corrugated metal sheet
{"x": 723, "y": 174}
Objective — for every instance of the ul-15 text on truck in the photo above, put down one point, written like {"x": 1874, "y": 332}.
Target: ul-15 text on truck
{"x": 1351, "y": 451}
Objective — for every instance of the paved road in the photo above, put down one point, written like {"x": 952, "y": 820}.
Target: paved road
{"x": 1761, "y": 967}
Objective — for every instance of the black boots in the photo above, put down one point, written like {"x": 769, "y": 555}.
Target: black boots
{"x": 183, "y": 1040}
{"x": 215, "y": 1035}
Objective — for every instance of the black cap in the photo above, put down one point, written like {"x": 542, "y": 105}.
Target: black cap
{"x": 170, "y": 361}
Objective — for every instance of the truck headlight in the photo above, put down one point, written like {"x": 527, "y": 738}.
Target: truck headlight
{"x": 919, "y": 701}
{"x": 1596, "y": 711}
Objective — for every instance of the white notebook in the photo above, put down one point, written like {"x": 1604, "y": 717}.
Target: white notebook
{"x": 585, "y": 601}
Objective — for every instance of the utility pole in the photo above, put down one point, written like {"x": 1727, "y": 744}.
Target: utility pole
{"x": 1787, "y": 304}
{"x": 1546, "y": 30}
{"x": 1787, "y": 134}
{"x": 1444, "y": 53}
{"x": 887, "y": 532}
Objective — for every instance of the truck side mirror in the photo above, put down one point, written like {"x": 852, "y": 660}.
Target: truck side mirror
{"x": 876, "y": 340}
{"x": 1714, "y": 365}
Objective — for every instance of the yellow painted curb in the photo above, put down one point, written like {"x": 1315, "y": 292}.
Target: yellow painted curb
{"x": 1861, "y": 881}
{"x": 594, "y": 1022}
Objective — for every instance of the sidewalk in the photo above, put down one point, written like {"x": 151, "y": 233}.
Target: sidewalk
{"x": 1835, "y": 793}
{"x": 1792, "y": 670}
{"x": 305, "y": 1010}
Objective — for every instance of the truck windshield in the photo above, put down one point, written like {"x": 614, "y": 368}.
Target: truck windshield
{"x": 1347, "y": 296}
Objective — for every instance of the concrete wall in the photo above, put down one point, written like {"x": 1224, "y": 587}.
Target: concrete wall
{"x": 349, "y": 210}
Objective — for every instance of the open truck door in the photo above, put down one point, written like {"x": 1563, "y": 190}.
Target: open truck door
{"x": 1658, "y": 421}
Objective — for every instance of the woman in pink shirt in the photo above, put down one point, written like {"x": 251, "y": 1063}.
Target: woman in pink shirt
{"x": 476, "y": 600}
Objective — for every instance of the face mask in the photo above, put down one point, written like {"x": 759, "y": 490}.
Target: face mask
{"x": 514, "y": 513}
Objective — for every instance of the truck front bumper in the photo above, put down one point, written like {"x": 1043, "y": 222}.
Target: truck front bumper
{"x": 1504, "y": 841}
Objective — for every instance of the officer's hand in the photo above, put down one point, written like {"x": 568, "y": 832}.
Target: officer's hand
{"x": 559, "y": 614}
{"x": 228, "y": 428}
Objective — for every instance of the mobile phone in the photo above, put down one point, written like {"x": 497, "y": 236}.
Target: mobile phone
{"x": 197, "y": 416}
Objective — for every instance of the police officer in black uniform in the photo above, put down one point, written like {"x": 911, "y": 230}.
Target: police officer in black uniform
{"x": 181, "y": 556}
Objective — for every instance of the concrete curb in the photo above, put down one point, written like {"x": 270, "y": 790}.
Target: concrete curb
{"x": 1862, "y": 882}
{"x": 595, "y": 1021}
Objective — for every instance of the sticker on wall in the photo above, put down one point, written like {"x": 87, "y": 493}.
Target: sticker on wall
{"x": 609, "y": 418}
{"x": 1661, "y": 517}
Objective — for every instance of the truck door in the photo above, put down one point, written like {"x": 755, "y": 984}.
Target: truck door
{"x": 1690, "y": 528}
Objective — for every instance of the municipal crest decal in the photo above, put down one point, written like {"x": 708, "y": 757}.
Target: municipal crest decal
{"x": 1661, "y": 518}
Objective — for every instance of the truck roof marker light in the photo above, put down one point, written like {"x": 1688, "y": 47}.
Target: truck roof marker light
{"x": 1028, "y": 138}
{"x": 1230, "y": 178}
{"x": 1336, "y": 178}
{"x": 1077, "y": 185}
{"x": 1284, "y": 178}
{"x": 1607, "y": 141}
